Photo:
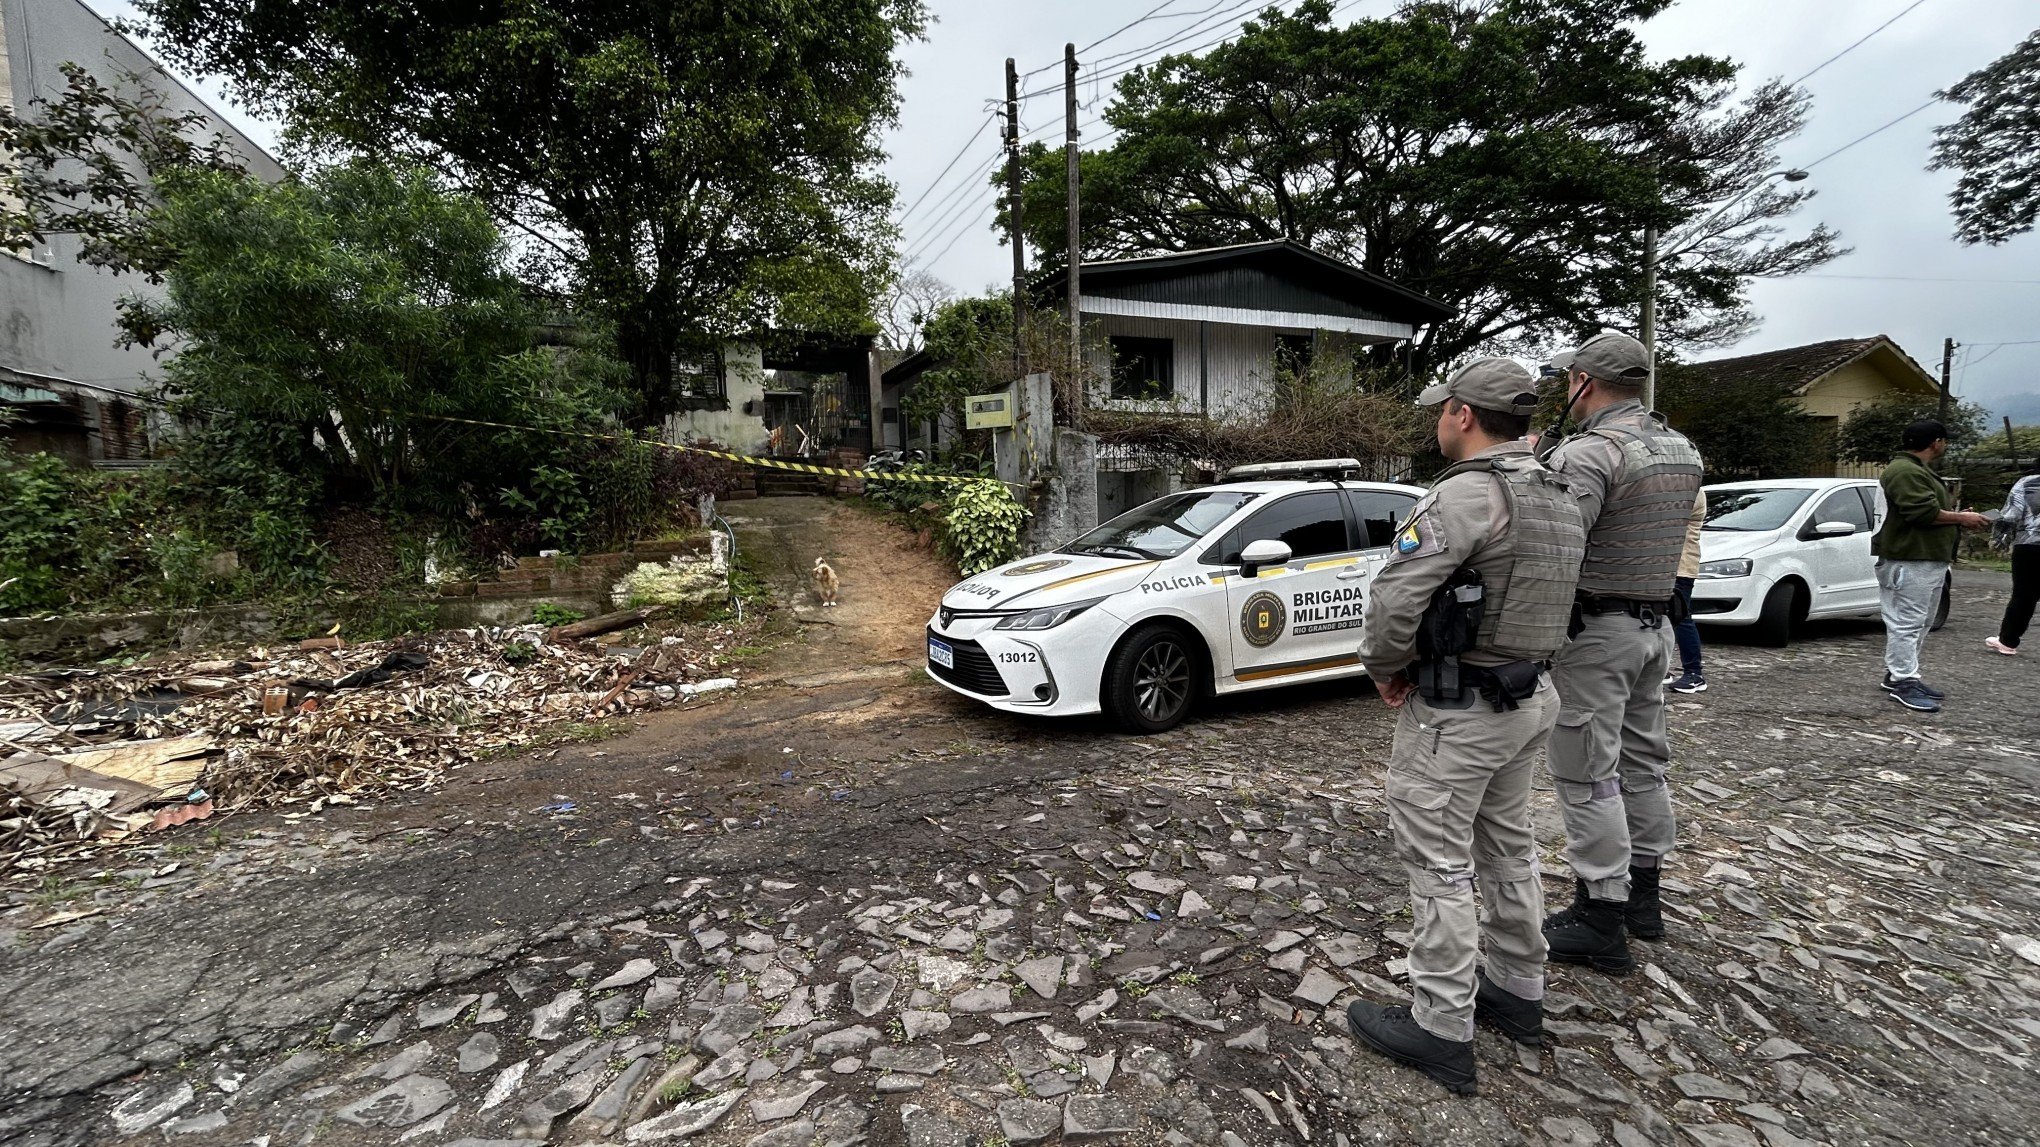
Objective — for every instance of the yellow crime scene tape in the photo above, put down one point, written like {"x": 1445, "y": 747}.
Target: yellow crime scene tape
{"x": 727, "y": 456}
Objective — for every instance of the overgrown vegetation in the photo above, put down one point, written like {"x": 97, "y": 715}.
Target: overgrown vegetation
{"x": 339, "y": 341}
{"x": 1873, "y": 432}
{"x": 1745, "y": 429}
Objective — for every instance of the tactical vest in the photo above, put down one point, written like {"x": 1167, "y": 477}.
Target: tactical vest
{"x": 1636, "y": 544}
{"x": 1550, "y": 540}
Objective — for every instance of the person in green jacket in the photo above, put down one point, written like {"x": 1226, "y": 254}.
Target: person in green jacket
{"x": 1914, "y": 549}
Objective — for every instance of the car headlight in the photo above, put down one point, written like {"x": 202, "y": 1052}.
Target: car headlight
{"x": 1733, "y": 567}
{"x": 1047, "y": 617}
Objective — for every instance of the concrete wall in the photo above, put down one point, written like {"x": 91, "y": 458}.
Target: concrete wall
{"x": 744, "y": 383}
{"x": 56, "y": 314}
{"x": 1066, "y": 504}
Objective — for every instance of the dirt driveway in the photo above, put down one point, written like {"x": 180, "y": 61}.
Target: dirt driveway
{"x": 846, "y": 906}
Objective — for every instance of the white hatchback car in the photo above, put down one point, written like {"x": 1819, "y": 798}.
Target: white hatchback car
{"x": 1776, "y": 553}
{"x": 1255, "y": 582}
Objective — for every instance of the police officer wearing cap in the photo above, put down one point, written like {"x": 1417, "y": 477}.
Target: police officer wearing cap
{"x": 1637, "y": 480}
{"x": 1472, "y": 603}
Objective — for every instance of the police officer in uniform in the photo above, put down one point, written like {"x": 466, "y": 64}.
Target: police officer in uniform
{"x": 1473, "y": 602}
{"x": 1637, "y": 480}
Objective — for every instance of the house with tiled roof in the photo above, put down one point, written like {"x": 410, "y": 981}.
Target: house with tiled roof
{"x": 1830, "y": 379}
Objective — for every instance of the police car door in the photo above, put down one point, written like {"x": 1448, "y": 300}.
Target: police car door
{"x": 1303, "y": 616}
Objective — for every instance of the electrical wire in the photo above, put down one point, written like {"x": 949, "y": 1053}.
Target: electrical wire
{"x": 1859, "y": 43}
{"x": 960, "y": 153}
{"x": 1917, "y": 279}
{"x": 1150, "y": 51}
{"x": 1872, "y": 132}
{"x": 1115, "y": 33}
{"x": 960, "y": 234}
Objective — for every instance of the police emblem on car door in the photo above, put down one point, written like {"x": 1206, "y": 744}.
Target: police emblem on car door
{"x": 1303, "y": 615}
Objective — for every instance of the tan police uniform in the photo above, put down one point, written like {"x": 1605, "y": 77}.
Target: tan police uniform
{"x": 1637, "y": 481}
{"x": 1459, "y": 775}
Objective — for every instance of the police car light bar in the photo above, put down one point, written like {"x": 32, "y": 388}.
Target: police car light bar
{"x": 1314, "y": 468}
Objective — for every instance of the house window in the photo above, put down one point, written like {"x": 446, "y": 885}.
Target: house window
{"x": 700, "y": 381}
{"x": 1293, "y": 354}
{"x": 1143, "y": 367}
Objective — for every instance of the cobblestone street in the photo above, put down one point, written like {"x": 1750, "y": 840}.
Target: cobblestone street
{"x": 852, "y": 908}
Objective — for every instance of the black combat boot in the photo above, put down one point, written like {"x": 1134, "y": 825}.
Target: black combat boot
{"x": 1395, "y": 1033}
{"x": 1590, "y": 932}
{"x": 1644, "y": 912}
{"x": 1520, "y": 1019}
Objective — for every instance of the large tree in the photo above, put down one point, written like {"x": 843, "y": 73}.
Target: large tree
{"x": 1995, "y": 146}
{"x": 701, "y": 167}
{"x": 1504, "y": 157}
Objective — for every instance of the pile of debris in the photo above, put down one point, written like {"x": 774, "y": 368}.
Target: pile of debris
{"x": 93, "y": 756}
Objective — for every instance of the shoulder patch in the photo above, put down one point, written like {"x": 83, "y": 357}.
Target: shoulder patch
{"x": 1420, "y": 537}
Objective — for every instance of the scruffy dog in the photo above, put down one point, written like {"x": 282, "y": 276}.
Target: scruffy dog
{"x": 825, "y": 581}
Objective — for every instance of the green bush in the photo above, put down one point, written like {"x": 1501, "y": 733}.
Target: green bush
{"x": 1872, "y": 433}
{"x": 40, "y": 521}
{"x": 982, "y": 527}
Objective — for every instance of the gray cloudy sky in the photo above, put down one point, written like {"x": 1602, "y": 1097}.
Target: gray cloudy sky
{"x": 1906, "y": 278}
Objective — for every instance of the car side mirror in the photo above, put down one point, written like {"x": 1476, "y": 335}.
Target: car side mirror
{"x": 1834, "y": 529}
{"x": 1266, "y": 552}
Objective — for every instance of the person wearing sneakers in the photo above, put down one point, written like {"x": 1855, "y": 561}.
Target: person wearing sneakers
{"x": 2021, "y": 522}
{"x": 1685, "y": 631}
{"x": 1637, "y": 480}
{"x": 1914, "y": 549}
{"x": 1461, "y": 621}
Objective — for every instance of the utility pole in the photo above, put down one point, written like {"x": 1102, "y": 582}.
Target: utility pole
{"x": 1947, "y": 395}
{"x": 1650, "y": 316}
{"x": 1013, "y": 211}
{"x": 1075, "y": 244}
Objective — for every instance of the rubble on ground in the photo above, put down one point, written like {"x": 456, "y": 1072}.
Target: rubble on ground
{"x": 95, "y": 756}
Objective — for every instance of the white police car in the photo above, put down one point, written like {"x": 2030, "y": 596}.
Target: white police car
{"x": 1255, "y": 582}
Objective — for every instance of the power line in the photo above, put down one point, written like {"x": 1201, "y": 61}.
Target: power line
{"x": 1151, "y": 15}
{"x": 1917, "y": 279}
{"x": 960, "y": 153}
{"x": 1857, "y": 44}
{"x": 970, "y": 179}
{"x": 960, "y": 234}
{"x": 963, "y": 206}
{"x": 1931, "y": 101}
{"x": 1150, "y": 51}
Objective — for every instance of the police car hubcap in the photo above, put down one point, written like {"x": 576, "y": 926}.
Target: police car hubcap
{"x": 1161, "y": 681}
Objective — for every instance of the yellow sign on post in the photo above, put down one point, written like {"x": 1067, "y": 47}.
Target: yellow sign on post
{"x": 987, "y": 411}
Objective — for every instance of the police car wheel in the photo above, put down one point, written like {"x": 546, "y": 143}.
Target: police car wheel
{"x": 1151, "y": 680}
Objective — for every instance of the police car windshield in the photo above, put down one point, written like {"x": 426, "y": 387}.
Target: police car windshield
{"x": 1164, "y": 527}
{"x": 1752, "y": 510}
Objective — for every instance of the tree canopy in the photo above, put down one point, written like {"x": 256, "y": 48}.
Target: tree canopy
{"x": 697, "y": 168}
{"x": 1502, "y": 157}
{"x": 1872, "y": 433}
{"x": 1745, "y": 428}
{"x": 1995, "y": 146}
{"x": 329, "y": 315}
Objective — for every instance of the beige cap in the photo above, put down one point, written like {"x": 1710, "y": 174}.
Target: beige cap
{"x": 1499, "y": 384}
{"x": 1610, "y": 355}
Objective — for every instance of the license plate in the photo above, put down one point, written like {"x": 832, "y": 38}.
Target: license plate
{"x": 941, "y": 654}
